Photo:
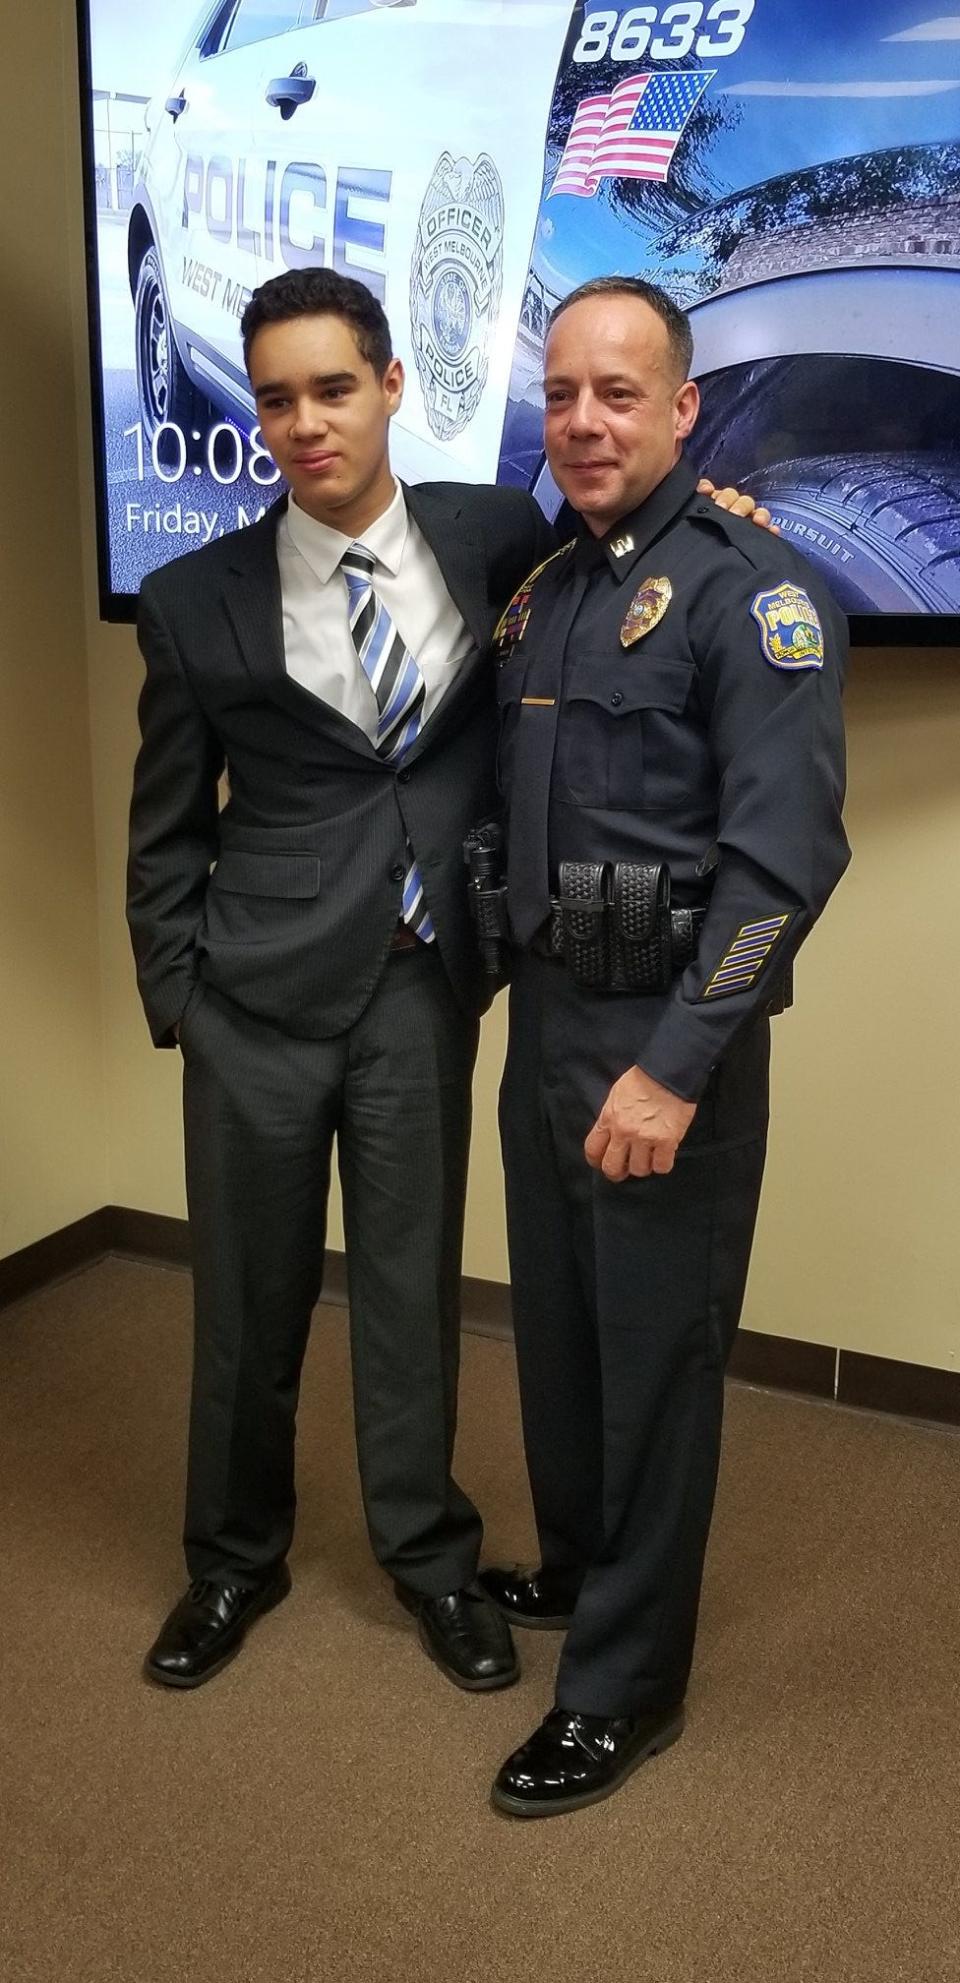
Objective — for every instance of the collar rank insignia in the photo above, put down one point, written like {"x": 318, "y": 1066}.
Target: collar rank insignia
{"x": 512, "y": 624}
{"x": 646, "y": 609}
{"x": 790, "y": 632}
{"x": 622, "y": 546}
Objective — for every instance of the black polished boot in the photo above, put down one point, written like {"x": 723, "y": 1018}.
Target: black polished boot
{"x": 540, "y": 1599}
{"x": 577, "y": 1759}
{"x": 206, "y": 1629}
{"x": 466, "y": 1636}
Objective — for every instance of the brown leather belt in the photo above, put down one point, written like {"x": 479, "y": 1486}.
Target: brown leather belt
{"x": 403, "y": 939}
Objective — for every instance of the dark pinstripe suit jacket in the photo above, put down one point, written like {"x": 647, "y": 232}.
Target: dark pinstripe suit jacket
{"x": 286, "y": 900}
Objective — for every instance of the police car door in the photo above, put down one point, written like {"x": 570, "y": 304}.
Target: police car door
{"x": 209, "y": 263}
{"x": 401, "y": 142}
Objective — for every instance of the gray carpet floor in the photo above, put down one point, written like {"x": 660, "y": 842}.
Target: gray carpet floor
{"x": 319, "y": 1814}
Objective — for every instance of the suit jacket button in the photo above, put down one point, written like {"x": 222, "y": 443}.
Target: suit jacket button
{"x": 403, "y": 777}
{"x": 398, "y": 871}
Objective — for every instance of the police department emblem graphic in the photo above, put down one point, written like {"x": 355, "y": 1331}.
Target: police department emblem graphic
{"x": 790, "y": 632}
{"x": 455, "y": 283}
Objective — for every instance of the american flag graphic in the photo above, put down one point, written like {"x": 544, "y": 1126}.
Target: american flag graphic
{"x": 630, "y": 134}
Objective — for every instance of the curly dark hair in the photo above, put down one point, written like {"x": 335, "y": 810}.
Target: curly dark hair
{"x": 319, "y": 292}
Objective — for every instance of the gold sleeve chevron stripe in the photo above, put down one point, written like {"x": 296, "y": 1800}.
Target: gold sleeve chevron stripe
{"x": 745, "y": 956}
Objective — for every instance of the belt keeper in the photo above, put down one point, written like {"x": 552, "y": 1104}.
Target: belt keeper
{"x": 575, "y": 905}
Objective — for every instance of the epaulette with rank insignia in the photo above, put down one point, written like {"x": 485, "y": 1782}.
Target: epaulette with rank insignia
{"x": 512, "y": 622}
{"x": 755, "y": 547}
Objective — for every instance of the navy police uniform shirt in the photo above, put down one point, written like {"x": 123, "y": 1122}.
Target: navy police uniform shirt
{"x": 672, "y": 693}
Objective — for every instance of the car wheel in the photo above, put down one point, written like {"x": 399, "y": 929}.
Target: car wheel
{"x": 882, "y": 529}
{"x": 166, "y": 391}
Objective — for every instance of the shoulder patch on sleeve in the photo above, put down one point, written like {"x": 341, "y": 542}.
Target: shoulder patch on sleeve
{"x": 791, "y": 636}
{"x": 512, "y": 622}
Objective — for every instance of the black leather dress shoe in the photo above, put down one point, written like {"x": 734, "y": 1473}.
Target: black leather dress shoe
{"x": 207, "y": 1627}
{"x": 576, "y": 1759}
{"x": 541, "y": 1600}
{"x": 466, "y": 1636}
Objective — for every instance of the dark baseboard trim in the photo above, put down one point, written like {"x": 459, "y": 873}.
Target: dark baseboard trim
{"x": 149, "y": 1236}
{"x": 52, "y": 1259}
{"x": 485, "y": 1307}
{"x": 814, "y": 1370}
{"x": 784, "y": 1364}
{"x": 334, "y": 1287}
{"x": 913, "y": 1390}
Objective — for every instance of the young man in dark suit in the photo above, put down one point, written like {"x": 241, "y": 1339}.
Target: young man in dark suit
{"x": 310, "y": 947}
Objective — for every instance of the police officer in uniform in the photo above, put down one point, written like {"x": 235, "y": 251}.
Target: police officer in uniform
{"x": 671, "y": 761}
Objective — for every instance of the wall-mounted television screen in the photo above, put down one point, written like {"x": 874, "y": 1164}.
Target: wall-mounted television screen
{"x": 790, "y": 173}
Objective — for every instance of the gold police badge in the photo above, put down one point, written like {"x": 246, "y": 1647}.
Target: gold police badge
{"x": 646, "y": 609}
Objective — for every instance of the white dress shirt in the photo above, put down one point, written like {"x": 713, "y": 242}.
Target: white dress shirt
{"x": 318, "y": 645}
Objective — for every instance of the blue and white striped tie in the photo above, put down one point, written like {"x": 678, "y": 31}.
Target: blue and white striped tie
{"x": 398, "y": 685}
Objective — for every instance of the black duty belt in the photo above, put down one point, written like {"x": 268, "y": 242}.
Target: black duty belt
{"x": 612, "y": 925}
{"x": 614, "y": 929}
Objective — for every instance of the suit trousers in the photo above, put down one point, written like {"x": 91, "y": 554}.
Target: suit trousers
{"x": 626, "y": 1303}
{"x": 261, "y": 1110}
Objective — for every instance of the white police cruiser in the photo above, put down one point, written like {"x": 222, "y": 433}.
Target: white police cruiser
{"x": 363, "y": 135}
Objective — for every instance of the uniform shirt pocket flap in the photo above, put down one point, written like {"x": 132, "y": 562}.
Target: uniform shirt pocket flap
{"x": 239, "y": 872}
{"x": 627, "y": 682}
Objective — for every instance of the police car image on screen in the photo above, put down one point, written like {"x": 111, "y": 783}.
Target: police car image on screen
{"x": 401, "y": 144}
{"x": 792, "y": 178}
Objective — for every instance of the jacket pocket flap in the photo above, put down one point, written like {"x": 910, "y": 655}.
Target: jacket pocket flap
{"x": 239, "y": 872}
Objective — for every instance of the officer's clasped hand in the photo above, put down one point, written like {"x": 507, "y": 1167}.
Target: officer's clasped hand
{"x": 639, "y": 1129}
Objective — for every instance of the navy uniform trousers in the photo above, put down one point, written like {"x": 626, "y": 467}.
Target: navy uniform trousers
{"x": 626, "y": 1303}
{"x": 261, "y": 1110}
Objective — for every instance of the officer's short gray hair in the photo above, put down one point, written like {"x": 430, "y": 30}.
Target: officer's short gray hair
{"x": 676, "y": 321}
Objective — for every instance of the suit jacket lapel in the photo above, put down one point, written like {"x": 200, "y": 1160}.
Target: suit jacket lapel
{"x": 254, "y": 605}
{"x": 460, "y": 558}
{"x": 251, "y": 595}
{"x": 462, "y": 563}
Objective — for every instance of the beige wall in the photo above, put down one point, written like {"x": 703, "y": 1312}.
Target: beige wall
{"x": 858, "y": 1242}
{"x": 52, "y": 1124}
{"x": 857, "y": 1245}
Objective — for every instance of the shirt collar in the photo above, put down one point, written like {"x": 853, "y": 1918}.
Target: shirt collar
{"x": 631, "y": 537}
{"x": 323, "y": 547}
